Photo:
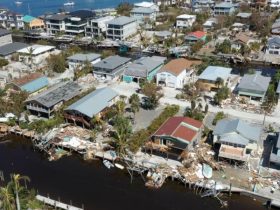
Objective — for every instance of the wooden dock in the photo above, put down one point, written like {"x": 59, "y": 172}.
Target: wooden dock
{"x": 56, "y": 204}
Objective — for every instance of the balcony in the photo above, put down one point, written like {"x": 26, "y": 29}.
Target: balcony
{"x": 37, "y": 109}
{"x": 233, "y": 153}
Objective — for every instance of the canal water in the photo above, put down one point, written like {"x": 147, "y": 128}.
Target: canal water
{"x": 97, "y": 188}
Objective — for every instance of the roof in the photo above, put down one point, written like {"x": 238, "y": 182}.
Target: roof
{"x": 111, "y": 62}
{"x": 182, "y": 128}
{"x": 197, "y": 34}
{"x": 274, "y": 41}
{"x": 28, "y": 18}
{"x": 84, "y": 57}
{"x": 224, "y": 5}
{"x": 144, "y": 4}
{"x": 185, "y": 16}
{"x": 12, "y": 48}
{"x": 83, "y": 14}
{"x": 122, "y": 20}
{"x": 244, "y": 14}
{"x": 176, "y": 66}
{"x": 144, "y": 10}
{"x": 163, "y": 33}
{"x": 237, "y": 131}
{"x": 213, "y": 72}
{"x": 95, "y": 102}
{"x": 143, "y": 66}
{"x": 37, "y": 49}
{"x": 58, "y": 17}
{"x": 26, "y": 79}
{"x": 4, "y": 32}
{"x": 57, "y": 93}
{"x": 254, "y": 82}
{"x": 242, "y": 37}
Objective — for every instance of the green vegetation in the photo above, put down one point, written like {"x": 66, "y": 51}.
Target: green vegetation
{"x": 194, "y": 111}
{"x": 134, "y": 101}
{"x": 197, "y": 46}
{"x": 86, "y": 69}
{"x": 43, "y": 42}
{"x": 222, "y": 94}
{"x": 56, "y": 63}
{"x": 3, "y": 62}
{"x": 124, "y": 9}
{"x": 138, "y": 139}
{"x": 224, "y": 47}
{"x": 270, "y": 100}
{"x": 219, "y": 116}
{"x": 151, "y": 91}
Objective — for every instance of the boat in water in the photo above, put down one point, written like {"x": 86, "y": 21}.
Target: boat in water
{"x": 69, "y": 3}
{"x": 18, "y": 3}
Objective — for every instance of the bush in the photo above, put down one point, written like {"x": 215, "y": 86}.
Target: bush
{"x": 219, "y": 116}
{"x": 3, "y": 62}
{"x": 57, "y": 63}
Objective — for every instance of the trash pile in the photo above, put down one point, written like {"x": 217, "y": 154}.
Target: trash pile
{"x": 271, "y": 180}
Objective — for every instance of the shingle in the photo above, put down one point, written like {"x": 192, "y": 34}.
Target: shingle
{"x": 254, "y": 82}
{"x": 84, "y": 57}
{"x": 12, "y": 48}
{"x": 111, "y": 62}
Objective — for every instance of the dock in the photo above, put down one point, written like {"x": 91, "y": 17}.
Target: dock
{"x": 56, "y": 204}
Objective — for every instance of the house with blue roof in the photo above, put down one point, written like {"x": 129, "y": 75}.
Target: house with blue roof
{"x": 224, "y": 8}
{"x": 92, "y": 105}
{"x": 237, "y": 139}
{"x": 207, "y": 80}
{"x": 31, "y": 83}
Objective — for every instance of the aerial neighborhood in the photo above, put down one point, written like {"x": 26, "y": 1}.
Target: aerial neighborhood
{"x": 192, "y": 87}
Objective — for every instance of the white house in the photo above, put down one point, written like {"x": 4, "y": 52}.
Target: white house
{"x": 273, "y": 46}
{"x": 143, "y": 14}
{"x": 146, "y": 4}
{"x": 96, "y": 27}
{"x": 185, "y": 21}
{"x": 77, "y": 61}
{"x": 176, "y": 73}
{"x": 121, "y": 27}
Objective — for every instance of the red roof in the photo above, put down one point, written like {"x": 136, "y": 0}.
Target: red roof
{"x": 179, "y": 127}
{"x": 197, "y": 34}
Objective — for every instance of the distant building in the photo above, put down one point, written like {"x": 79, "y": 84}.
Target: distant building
{"x": 90, "y": 106}
{"x": 146, "y": 4}
{"x": 30, "y": 83}
{"x": 275, "y": 152}
{"x": 177, "y": 134}
{"x": 77, "y": 61}
{"x": 210, "y": 24}
{"x": 55, "y": 23}
{"x": 5, "y": 37}
{"x": 110, "y": 68}
{"x": 194, "y": 37}
{"x": 237, "y": 139}
{"x": 121, "y": 28}
{"x": 185, "y": 21}
{"x": 243, "y": 17}
{"x": 273, "y": 46}
{"x": 202, "y": 5}
{"x": 224, "y": 8}
{"x": 176, "y": 73}
{"x": 143, "y": 14}
{"x": 207, "y": 79}
{"x": 31, "y": 22}
{"x": 253, "y": 86}
{"x": 11, "y": 20}
{"x": 47, "y": 102}
{"x": 97, "y": 27}
{"x": 144, "y": 68}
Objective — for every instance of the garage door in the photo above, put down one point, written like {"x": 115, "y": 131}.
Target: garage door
{"x": 170, "y": 84}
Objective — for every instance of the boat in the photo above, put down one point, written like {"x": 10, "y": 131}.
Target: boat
{"x": 207, "y": 171}
{"x": 119, "y": 166}
{"x": 18, "y": 2}
{"x": 69, "y": 3}
{"x": 108, "y": 164}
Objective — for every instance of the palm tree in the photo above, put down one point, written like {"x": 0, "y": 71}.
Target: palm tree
{"x": 30, "y": 54}
{"x": 120, "y": 107}
{"x": 7, "y": 198}
{"x": 134, "y": 101}
{"x": 97, "y": 122}
{"x": 219, "y": 82}
{"x": 15, "y": 183}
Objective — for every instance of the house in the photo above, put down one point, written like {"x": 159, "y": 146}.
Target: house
{"x": 177, "y": 134}
{"x": 121, "y": 28}
{"x": 110, "y": 68}
{"x": 210, "y": 24}
{"x": 5, "y": 37}
{"x": 273, "y": 46}
{"x": 253, "y": 86}
{"x": 10, "y": 20}
{"x": 185, "y": 21}
{"x": 7, "y": 50}
{"x": 207, "y": 80}
{"x": 55, "y": 23}
{"x": 144, "y": 68}
{"x": 237, "y": 139}
{"x": 176, "y": 72}
{"x": 275, "y": 28}
{"x": 35, "y": 52}
{"x": 93, "y": 104}
{"x": 78, "y": 60}
{"x": 161, "y": 36}
{"x": 164, "y": 2}
{"x": 146, "y": 4}
{"x": 273, "y": 3}
{"x": 224, "y": 8}
{"x": 243, "y": 17}
{"x": 30, "y": 83}
{"x": 47, "y": 102}
{"x": 243, "y": 39}
{"x": 202, "y": 5}
{"x": 194, "y": 37}
{"x": 239, "y": 27}
{"x": 97, "y": 27}
{"x": 31, "y": 22}
{"x": 143, "y": 14}
{"x": 275, "y": 152}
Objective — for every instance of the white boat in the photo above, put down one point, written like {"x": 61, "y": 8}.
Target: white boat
{"x": 69, "y": 3}
{"x": 119, "y": 166}
{"x": 18, "y": 2}
{"x": 108, "y": 164}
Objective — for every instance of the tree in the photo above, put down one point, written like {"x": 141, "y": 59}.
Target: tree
{"x": 270, "y": 100}
{"x": 219, "y": 116}
{"x": 221, "y": 94}
{"x": 97, "y": 122}
{"x": 197, "y": 46}
{"x": 219, "y": 82}
{"x": 193, "y": 105}
{"x": 276, "y": 77}
{"x": 134, "y": 101}
{"x": 30, "y": 55}
{"x": 7, "y": 198}
{"x": 15, "y": 183}
{"x": 124, "y": 9}
{"x": 224, "y": 47}
{"x": 56, "y": 63}
{"x": 122, "y": 133}
{"x": 3, "y": 62}
{"x": 151, "y": 91}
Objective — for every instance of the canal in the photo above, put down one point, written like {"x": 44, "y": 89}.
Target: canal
{"x": 97, "y": 188}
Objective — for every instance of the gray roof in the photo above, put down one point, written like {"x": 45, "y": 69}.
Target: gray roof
{"x": 143, "y": 66}
{"x": 56, "y": 94}
{"x": 224, "y": 5}
{"x": 95, "y": 102}
{"x": 237, "y": 131}
{"x": 211, "y": 73}
{"x": 274, "y": 41}
{"x": 122, "y": 20}
{"x": 111, "y": 62}
{"x": 244, "y": 14}
{"x": 254, "y": 82}
{"x": 12, "y": 48}
{"x": 84, "y": 57}
{"x": 57, "y": 17}
{"x": 143, "y": 10}
{"x": 275, "y": 25}
{"x": 4, "y": 32}
{"x": 163, "y": 33}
